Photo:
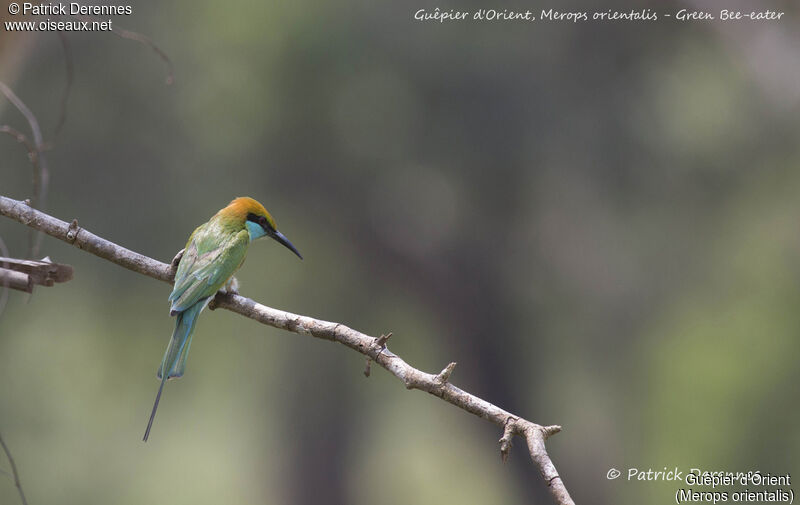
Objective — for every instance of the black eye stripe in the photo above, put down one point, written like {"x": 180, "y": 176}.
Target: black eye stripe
{"x": 261, "y": 220}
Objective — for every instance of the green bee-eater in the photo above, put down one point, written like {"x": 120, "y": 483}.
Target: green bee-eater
{"x": 214, "y": 252}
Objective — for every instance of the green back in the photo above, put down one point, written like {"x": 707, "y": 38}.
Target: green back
{"x": 213, "y": 253}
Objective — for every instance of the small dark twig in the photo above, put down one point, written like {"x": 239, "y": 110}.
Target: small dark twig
{"x": 4, "y": 294}
{"x": 506, "y": 439}
{"x": 444, "y": 375}
{"x": 25, "y": 111}
{"x": 14, "y": 471}
{"x": 33, "y": 157}
{"x": 20, "y": 137}
{"x": 62, "y": 118}
{"x": 381, "y": 341}
{"x": 41, "y": 175}
{"x": 138, "y": 37}
{"x": 142, "y": 39}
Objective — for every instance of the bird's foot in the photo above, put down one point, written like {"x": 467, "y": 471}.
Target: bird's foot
{"x": 173, "y": 265}
{"x": 232, "y": 286}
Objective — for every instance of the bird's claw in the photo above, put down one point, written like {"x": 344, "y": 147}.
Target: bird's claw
{"x": 232, "y": 286}
{"x": 177, "y": 258}
{"x": 173, "y": 265}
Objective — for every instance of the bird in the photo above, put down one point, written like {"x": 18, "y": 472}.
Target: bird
{"x": 213, "y": 253}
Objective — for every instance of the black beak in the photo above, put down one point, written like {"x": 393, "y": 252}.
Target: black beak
{"x": 280, "y": 237}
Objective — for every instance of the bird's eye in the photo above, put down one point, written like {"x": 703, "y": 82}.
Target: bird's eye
{"x": 262, "y": 220}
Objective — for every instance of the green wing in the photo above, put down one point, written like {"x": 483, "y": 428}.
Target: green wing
{"x": 210, "y": 259}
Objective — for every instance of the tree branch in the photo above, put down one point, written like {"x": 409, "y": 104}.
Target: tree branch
{"x": 24, "y": 274}
{"x": 373, "y": 348}
{"x": 16, "y": 280}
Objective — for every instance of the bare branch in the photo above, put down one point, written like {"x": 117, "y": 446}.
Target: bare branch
{"x": 14, "y": 472}
{"x": 436, "y": 385}
{"x": 16, "y": 280}
{"x": 42, "y": 273}
{"x": 82, "y": 239}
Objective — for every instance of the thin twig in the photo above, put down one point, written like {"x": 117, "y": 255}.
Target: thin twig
{"x": 506, "y": 439}
{"x": 41, "y": 177}
{"x": 142, "y": 39}
{"x": 20, "y": 105}
{"x": 62, "y": 118}
{"x": 33, "y": 155}
{"x": 14, "y": 471}
{"x": 437, "y": 385}
{"x": 4, "y": 294}
{"x": 444, "y": 375}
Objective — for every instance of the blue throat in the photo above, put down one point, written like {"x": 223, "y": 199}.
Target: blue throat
{"x": 254, "y": 230}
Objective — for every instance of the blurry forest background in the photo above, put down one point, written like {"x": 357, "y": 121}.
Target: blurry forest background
{"x": 598, "y": 222}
